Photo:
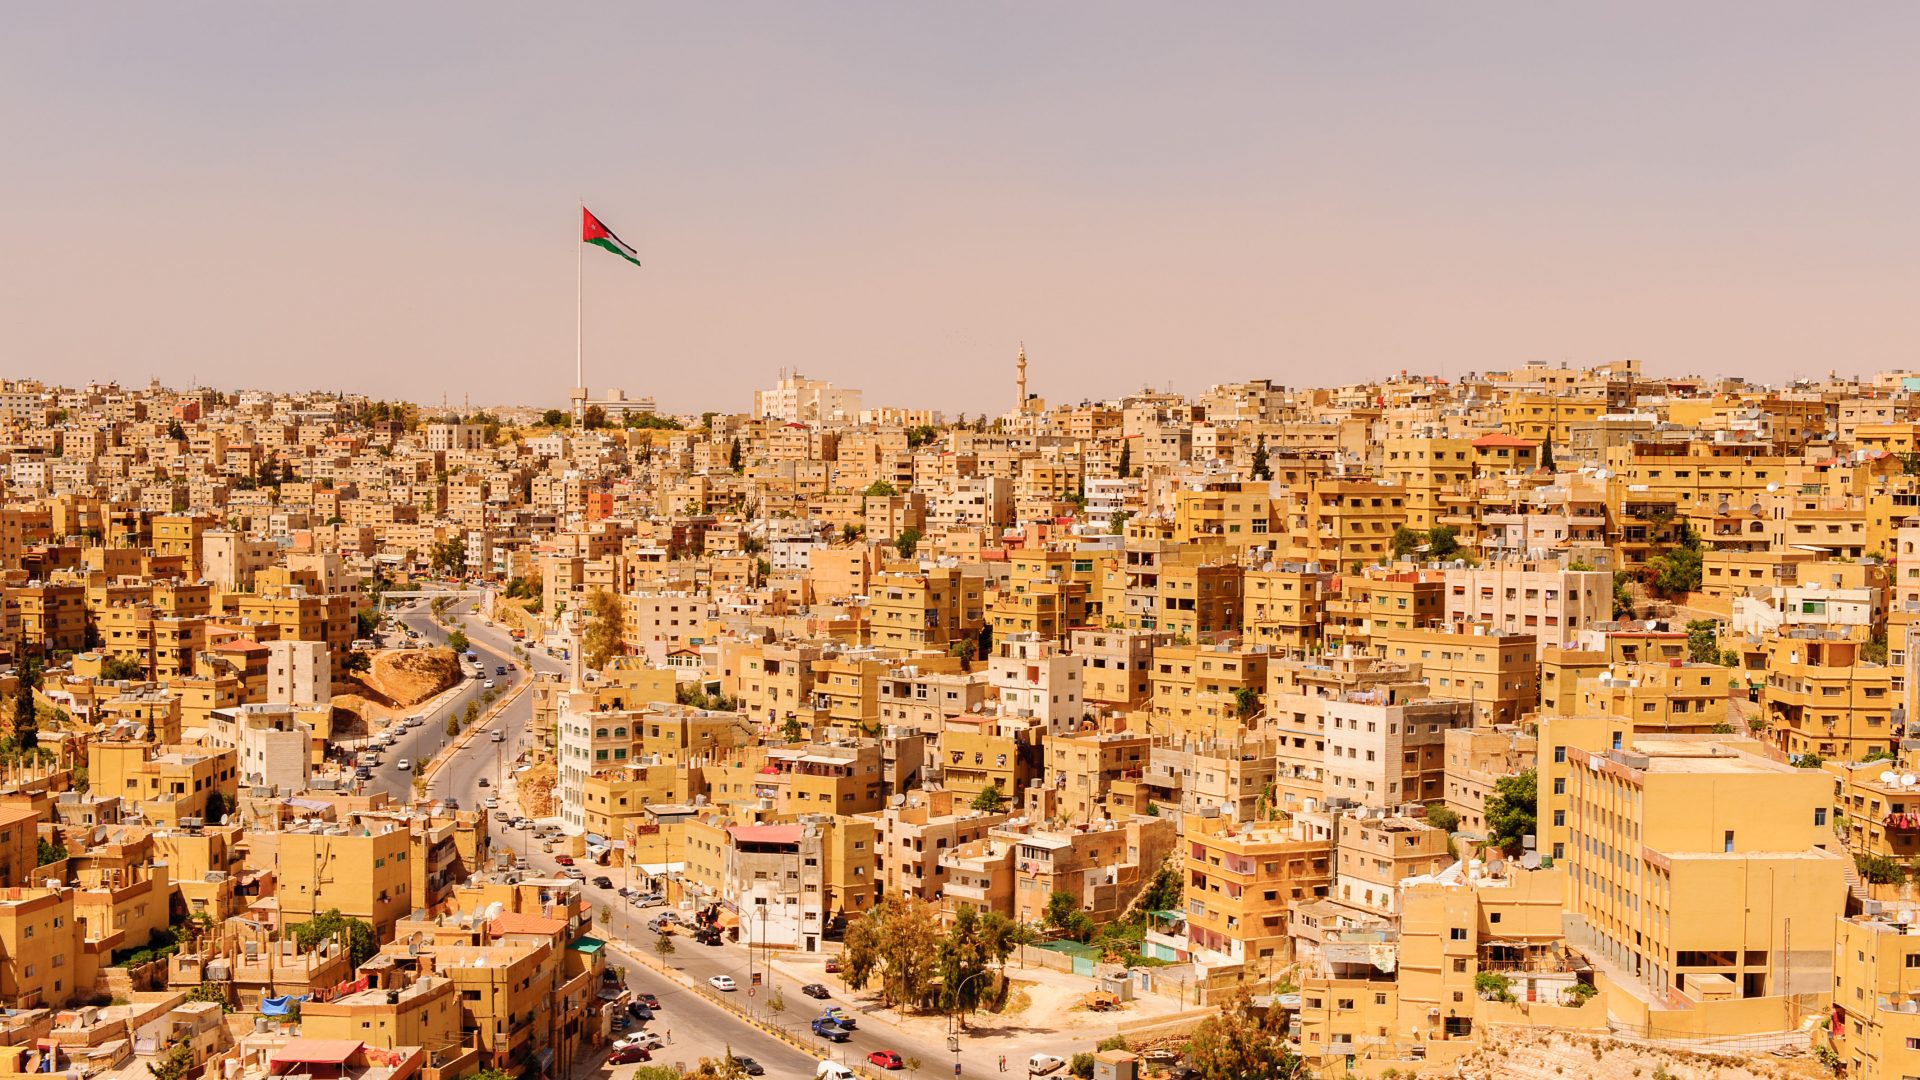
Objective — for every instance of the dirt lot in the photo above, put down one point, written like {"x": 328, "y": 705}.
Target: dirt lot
{"x": 400, "y": 679}
{"x": 1557, "y": 1056}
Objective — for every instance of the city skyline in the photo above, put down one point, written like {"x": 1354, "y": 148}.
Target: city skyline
{"x": 897, "y": 200}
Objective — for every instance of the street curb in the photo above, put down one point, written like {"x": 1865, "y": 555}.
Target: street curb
{"x": 460, "y": 741}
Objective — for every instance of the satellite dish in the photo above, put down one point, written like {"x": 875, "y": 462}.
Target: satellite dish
{"x": 1908, "y": 780}
{"x": 1889, "y": 776}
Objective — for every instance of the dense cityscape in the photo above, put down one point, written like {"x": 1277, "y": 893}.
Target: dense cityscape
{"x": 1495, "y": 725}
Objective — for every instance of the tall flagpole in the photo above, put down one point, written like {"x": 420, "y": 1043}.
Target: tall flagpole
{"x": 579, "y": 306}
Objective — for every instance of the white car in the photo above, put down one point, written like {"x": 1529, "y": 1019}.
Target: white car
{"x": 488, "y": 685}
{"x": 404, "y": 765}
{"x": 645, "y": 1040}
{"x": 723, "y": 982}
{"x": 1042, "y": 1064}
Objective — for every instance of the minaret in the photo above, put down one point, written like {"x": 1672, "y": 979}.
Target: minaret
{"x": 1020, "y": 405}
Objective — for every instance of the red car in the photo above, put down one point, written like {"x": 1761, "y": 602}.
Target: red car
{"x": 563, "y": 860}
{"x": 627, "y": 1055}
{"x": 833, "y": 966}
{"x": 886, "y": 1059}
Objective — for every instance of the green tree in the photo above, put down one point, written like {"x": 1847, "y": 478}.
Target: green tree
{"x": 606, "y": 626}
{"x": 457, "y": 641}
{"x": 593, "y": 418}
{"x": 792, "y": 729}
{"x": 358, "y": 662}
{"x": 46, "y": 851}
{"x": 453, "y": 725}
{"x": 1881, "y": 869}
{"x": 359, "y": 936}
{"x": 1260, "y": 471}
{"x": 1703, "y": 645}
{"x": 1246, "y": 702}
{"x": 736, "y": 460}
{"x": 217, "y": 806}
{"x": 1493, "y": 986}
{"x": 1510, "y": 810}
{"x": 554, "y": 418}
{"x": 1126, "y": 459}
{"x": 176, "y": 1063}
{"x": 663, "y": 944}
{"x": 881, "y": 487}
{"x": 1443, "y": 542}
{"x": 1442, "y": 818}
{"x": 1117, "y": 524}
{"x": 990, "y": 799}
{"x": 968, "y": 965}
{"x": 1063, "y": 916}
{"x": 1080, "y": 1065}
{"x": 176, "y": 432}
{"x": 908, "y": 539}
{"x": 896, "y": 944}
{"x": 1242, "y": 1043}
{"x": 214, "y": 992}
{"x": 1546, "y": 455}
{"x": 122, "y": 669}
{"x": 26, "y": 720}
{"x": 1406, "y": 541}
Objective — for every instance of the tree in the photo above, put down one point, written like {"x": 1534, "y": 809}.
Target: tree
{"x": 908, "y": 539}
{"x": 1242, "y": 1043}
{"x": 1510, "y": 810}
{"x": 881, "y": 487}
{"x": 593, "y": 418}
{"x": 735, "y": 459}
{"x": 897, "y": 944}
{"x": 214, "y": 992}
{"x": 1117, "y": 524}
{"x": 26, "y": 721}
{"x": 176, "y": 1063}
{"x": 1064, "y": 916}
{"x": 449, "y": 556}
{"x": 1546, "y": 455}
{"x": 990, "y": 800}
{"x": 964, "y": 649}
{"x": 1442, "y": 542}
{"x": 122, "y": 669}
{"x": 1080, "y": 1065}
{"x": 470, "y": 714}
{"x": 1442, "y": 818}
{"x": 358, "y": 662}
{"x": 1246, "y": 702}
{"x": 1493, "y": 986}
{"x": 1260, "y": 471}
{"x": 458, "y": 642}
{"x": 216, "y": 811}
{"x": 791, "y": 729}
{"x": 1126, "y": 459}
{"x": 46, "y": 851}
{"x": 967, "y": 965}
{"x": 360, "y": 939}
{"x": 1405, "y": 541}
{"x": 1622, "y": 596}
{"x": 453, "y": 725}
{"x": 555, "y": 418}
{"x": 176, "y": 432}
{"x": 606, "y": 626}
{"x": 663, "y": 944}
{"x": 1703, "y": 646}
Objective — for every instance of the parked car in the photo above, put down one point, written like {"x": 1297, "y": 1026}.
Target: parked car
{"x": 750, "y": 1067}
{"x": 650, "y": 899}
{"x": 708, "y": 936}
{"x": 1042, "y": 1064}
{"x": 563, "y": 860}
{"x": 645, "y": 1040}
{"x": 501, "y": 815}
{"x": 627, "y": 1055}
{"x": 574, "y": 873}
{"x": 814, "y": 990}
{"x": 833, "y": 966}
{"x": 827, "y": 1029}
{"x": 603, "y": 882}
{"x": 639, "y": 1011}
{"x": 723, "y": 982}
{"x": 648, "y": 1000}
{"x": 886, "y": 1059}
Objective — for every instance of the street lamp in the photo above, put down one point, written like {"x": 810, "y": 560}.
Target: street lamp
{"x": 953, "y": 1018}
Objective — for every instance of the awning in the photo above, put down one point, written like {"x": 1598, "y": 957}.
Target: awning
{"x": 587, "y": 945}
{"x": 728, "y": 918}
{"x": 596, "y": 840}
{"x": 317, "y": 1051}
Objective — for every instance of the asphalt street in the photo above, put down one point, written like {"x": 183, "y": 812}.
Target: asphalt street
{"x": 707, "y": 1028}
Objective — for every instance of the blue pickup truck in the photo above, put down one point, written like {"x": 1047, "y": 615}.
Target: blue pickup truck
{"x": 827, "y": 1028}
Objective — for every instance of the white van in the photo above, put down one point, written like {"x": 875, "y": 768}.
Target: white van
{"x": 833, "y": 1070}
{"x": 1042, "y": 1064}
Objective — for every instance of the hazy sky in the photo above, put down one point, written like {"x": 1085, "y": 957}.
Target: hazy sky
{"x": 382, "y": 196}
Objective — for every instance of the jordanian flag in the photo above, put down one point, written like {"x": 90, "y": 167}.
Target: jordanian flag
{"x": 593, "y": 232}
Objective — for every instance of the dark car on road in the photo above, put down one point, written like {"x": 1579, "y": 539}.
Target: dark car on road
{"x": 603, "y": 882}
{"x": 639, "y": 1011}
{"x": 750, "y": 1067}
{"x": 814, "y": 990}
{"x": 827, "y": 1029}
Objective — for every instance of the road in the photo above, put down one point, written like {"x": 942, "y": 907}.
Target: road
{"x": 460, "y": 778}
